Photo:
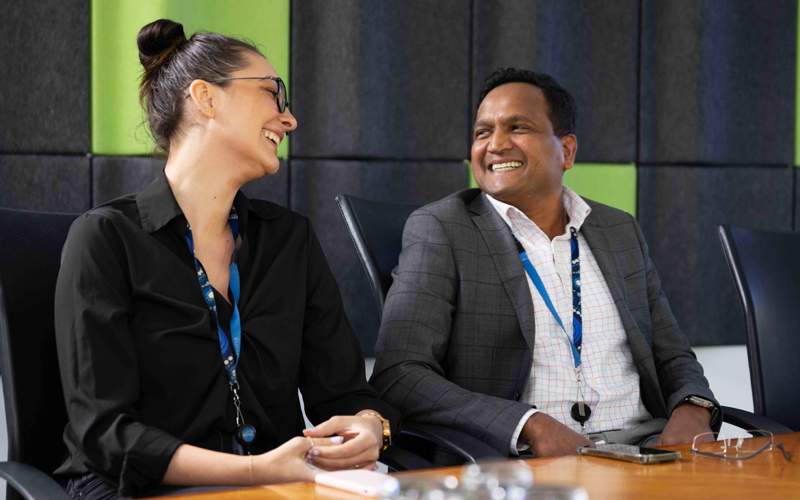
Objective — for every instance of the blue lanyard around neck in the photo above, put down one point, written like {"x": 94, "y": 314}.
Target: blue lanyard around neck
{"x": 230, "y": 356}
{"x": 577, "y": 327}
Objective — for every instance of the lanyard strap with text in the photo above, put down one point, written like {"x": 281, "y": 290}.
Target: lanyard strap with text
{"x": 577, "y": 329}
{"x": 230, "y": 354}
{"x": 245, "y": 433}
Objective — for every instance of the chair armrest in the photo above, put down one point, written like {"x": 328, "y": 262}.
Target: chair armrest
{"x": 398, "y": 459}
{"x": 747, "y": 420}
{"x": 467, "y": 447}
{"x": 31, "y": 483}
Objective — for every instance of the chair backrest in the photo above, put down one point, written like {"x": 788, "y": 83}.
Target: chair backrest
{"x": 30, "y": 255}
{"x": 767, "y": 276}
{"x": 377, "y": 231}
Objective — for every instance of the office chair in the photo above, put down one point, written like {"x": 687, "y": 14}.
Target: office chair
{"x": 30, "y": 254}
{"x": 765, "y": 270}
{"x": 376, "y": 229}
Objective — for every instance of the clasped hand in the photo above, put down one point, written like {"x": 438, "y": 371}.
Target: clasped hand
{"x": 362, "y": 438}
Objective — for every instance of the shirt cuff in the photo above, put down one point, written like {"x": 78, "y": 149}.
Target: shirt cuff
{"x": 516, "y": 448}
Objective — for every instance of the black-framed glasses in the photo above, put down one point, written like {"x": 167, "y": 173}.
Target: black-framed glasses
{"x": 280, "y": 97}
{"x": 742, "y": 448}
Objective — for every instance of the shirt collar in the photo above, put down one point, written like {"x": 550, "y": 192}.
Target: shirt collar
{"x": 577, "y": 209}
{"x": 158, "y": 207}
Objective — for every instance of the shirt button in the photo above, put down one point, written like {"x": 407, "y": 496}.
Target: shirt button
{"x": 593, "y": 381}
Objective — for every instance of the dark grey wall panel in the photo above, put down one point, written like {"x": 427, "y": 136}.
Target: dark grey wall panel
{"x": 45, "y": 183}
{"x": 591, "y": 48}
{"x": 718, "y": 81}
{"x": 680, "y": 209}
{"x": 44, "y": 90}
{"x": 382, "y": 79}
{"x": 115, "y": 176}
{"x": 315, "y": 184}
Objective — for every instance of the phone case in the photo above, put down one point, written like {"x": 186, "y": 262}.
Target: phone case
{"x": 628, "y": 457}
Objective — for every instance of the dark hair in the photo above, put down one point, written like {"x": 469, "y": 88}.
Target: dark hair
{"x": 563, "y": 111}
{"x": 171, "y": 63}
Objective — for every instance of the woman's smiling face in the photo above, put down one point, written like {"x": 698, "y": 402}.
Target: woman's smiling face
{"x": 247, "y": 119}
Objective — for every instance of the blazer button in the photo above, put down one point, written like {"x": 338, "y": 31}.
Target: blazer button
{"x": 518, "y": 396}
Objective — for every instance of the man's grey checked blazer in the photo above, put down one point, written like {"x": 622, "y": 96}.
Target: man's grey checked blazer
{"x": 458, "y": 326}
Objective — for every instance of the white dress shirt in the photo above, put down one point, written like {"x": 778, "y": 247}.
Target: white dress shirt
{"x": 609, "y": 377}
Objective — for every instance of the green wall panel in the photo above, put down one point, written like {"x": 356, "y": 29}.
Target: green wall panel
{"x": 116, "y": 116}
{"x": 612, "y": 184}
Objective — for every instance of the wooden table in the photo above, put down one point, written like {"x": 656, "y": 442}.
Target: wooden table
{"x": 766, "y": 476}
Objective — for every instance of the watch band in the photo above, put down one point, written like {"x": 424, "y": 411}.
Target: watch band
{"x": 387, "y": 432}
{"x": 704, "y": 403}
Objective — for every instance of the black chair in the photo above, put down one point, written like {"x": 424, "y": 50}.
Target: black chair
{"x": 376, "y": 229}
{"x": 765, "y": 270}
{"x": 30, "y": 253}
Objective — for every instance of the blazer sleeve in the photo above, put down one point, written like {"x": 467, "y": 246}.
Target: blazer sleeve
{"x": 410, "y": 367}
{"x": 332, "y": 375}
{"x": 679, "y": 373}
{"x": 98, "y": 362}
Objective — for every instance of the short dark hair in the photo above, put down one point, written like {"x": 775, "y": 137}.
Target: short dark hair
{"x": 563, "y": 111}
{"x": 171, "y": 62}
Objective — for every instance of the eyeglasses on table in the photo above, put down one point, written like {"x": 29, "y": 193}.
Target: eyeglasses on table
{"x": 742, "y": 448}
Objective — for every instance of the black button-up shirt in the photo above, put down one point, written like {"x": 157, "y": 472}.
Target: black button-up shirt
{"x": 139, "y": 351}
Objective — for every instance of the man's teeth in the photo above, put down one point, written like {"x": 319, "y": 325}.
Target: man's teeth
{"x": 511, "y": 165}
{"x": 272, "y": 136}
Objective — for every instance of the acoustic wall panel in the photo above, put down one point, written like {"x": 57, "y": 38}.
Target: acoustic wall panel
{"x": 591, "y": 48}
{"x": 115, "y": 176}
{"x": 718, "y": 82}
{"x": 382, "y": 79}
{"x": 45, "y": 183}
{"x": 680, "y": 209}
{"x": 44, "y": 91}
{"x": 117, "y": 118}
{"x": 315, "y": 184}
{"x": 614, "y": 185}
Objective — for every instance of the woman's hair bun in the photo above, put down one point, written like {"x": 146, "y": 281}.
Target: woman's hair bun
{"x": 156, "y": 39}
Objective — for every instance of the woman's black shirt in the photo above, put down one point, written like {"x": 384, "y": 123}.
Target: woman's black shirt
{"x": 139, "y": 351}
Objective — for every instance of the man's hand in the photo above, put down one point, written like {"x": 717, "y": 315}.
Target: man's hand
{"x": 686, "y": 422}
{"x": 548, "y": 437}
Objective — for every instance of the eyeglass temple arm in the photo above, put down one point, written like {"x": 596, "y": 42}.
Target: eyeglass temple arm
{"x": 715, "y": 455}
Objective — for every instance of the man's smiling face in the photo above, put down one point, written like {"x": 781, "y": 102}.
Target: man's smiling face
{"x": 516, "y": 157}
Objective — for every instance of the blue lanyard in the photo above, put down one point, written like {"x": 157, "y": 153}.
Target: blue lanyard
{"x": 230, "y": 357}
{"x": 577, "y": 327}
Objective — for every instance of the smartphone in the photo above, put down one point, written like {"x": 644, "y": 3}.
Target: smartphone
{"x": 630, "y": 453}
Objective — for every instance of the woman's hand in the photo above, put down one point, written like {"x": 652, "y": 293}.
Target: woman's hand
{"x": 288, "y": 463}
{"x": 363, "y": 439}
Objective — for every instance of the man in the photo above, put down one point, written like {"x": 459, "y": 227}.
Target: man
{"x": 575, "y": 346}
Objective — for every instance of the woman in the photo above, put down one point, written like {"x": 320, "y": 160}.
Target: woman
{"x": 188, "y": 316}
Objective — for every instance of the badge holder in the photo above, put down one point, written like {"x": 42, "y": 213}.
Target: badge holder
{"x": 245, "y": 433}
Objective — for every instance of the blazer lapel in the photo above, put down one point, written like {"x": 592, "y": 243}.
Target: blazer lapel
{"x": 605, "y": 253}
{"x": 501, "y": 246}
